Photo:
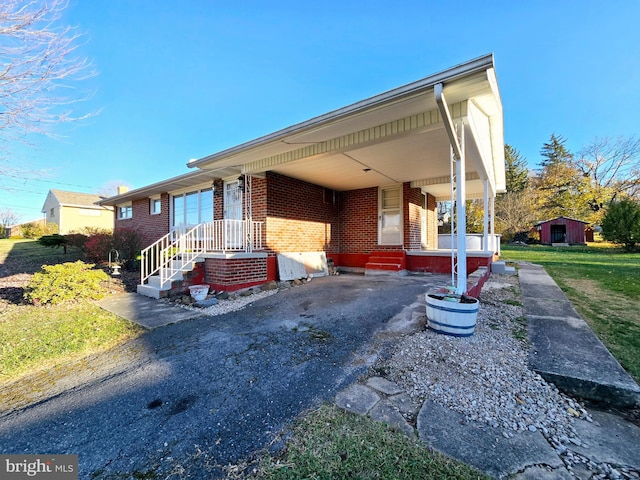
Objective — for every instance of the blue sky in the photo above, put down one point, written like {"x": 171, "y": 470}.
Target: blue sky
{"x": 181, "y": 80}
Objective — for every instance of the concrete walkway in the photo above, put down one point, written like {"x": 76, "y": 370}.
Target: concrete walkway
{"x": 146, "y": 311}
{"x": 565, "y": 350}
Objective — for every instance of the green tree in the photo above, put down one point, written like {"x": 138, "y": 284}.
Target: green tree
{"x": 555, "y": 152}
{"x": 621, "y": 224}
{"x": 516, "y": 170}
{"x": 475, "y": 216}
{"x": 562, "y": 189}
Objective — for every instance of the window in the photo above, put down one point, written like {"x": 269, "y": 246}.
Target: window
{"x": 52, "y": 212}
{"x": 125, "y": 211}
{"x": 155, "y": 206}
{"x": 192, "y": 208}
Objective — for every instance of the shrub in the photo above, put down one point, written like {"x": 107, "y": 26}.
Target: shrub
{"x": 37, "y": 230}
{"x": 54, "y": 241}
{"x": 621, "y": 224}
{"x": 71, "y": 281}
{"x": 126, "y": 241}
{"x": 128, "y": 244}
{"x": 76, "y": 240}
{"x": 97, "y": 247}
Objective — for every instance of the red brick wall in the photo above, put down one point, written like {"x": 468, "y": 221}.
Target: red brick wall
{"x": 413, "y": 214}
{"x": 300, "y": 216}
{"x": 149, "y": 227}
{"x": 235, "y": 273}
{"x": 218, "y": 199}
{"x": 359, "y": 221}
{"x": 432, "y": 223}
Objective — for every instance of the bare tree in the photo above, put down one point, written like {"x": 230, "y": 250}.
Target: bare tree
{"x": 613, "y": 167}
{"x": 515, "y": 212}
{"x": 7, "y": 218}
{"x": 39, "y": 67}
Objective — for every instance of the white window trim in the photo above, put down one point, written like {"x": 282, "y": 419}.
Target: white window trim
{"x": 128, "y": 207}
{"x": 184, "y": 193}
{"x": 400, "y": 211}
{"x": 152, "y": 202}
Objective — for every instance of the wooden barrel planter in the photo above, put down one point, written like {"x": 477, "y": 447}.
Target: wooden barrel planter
{"x": 451, "y": 314}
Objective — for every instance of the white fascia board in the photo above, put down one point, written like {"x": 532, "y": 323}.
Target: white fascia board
{"x": 473, "y": 66}
{"x": 480, "y": 129}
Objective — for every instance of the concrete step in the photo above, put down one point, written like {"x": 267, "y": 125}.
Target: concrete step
{"x": 564, "y": 350}
{"x": 151, "y": 291}
{"x": 384, "y": 266}
{"x": 154, "y": 281}
{"x": 501, "y": 268}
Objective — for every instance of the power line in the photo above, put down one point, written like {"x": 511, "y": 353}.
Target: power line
{"x": 47, "y": 181}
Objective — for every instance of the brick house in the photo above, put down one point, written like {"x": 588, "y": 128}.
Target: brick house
{"x": 357, "y": 186}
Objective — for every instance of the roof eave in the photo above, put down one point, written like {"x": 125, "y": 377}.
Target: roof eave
{"x": 464, "y": 69}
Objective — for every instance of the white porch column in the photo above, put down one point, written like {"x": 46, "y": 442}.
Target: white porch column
{"x": 485, "y": 239}
{"x": 495, "y": 244}
{"x": 461, "y": 214}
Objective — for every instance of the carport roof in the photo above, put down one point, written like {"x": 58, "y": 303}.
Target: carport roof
{"x": 394, "y": 137}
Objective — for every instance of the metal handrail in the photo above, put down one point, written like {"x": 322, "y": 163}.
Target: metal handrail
{"x": 173, "y": 252}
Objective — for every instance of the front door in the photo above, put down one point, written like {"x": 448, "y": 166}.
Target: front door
{"x": 233, "y": 214}
{"x": 390, "y": 215}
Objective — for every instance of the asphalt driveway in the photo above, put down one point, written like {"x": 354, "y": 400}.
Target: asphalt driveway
{"x": 210, "y": 391}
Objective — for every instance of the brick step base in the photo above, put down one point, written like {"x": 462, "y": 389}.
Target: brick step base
{"x": 387, "y": 261}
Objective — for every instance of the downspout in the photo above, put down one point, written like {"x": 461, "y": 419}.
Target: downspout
{"x": 460, "y": 184}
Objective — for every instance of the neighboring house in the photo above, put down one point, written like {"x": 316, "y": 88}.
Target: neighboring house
{"x": 562, "y": 230}
{"x": 73, "y": 211}
{"x": 358, "y": 185}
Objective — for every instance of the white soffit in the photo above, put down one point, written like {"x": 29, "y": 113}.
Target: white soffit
{"x": 377, "y": 141}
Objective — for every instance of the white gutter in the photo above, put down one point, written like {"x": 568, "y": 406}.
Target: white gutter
{"x": 446, "y": 120}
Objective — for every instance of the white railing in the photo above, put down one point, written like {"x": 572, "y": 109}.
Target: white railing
{"x": 182, "y": 246}
{"x": 475, "y": 242}
{"x": 232, "y": 236}
{"x": 170, "y": 255}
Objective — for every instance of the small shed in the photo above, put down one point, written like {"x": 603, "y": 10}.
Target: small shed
{"x": 562, "y": 230}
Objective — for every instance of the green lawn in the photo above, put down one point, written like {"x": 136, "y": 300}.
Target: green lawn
{"x": 603, "y": 283}
{"x": 33, "y": 337}
{"x": 329, "y": 443}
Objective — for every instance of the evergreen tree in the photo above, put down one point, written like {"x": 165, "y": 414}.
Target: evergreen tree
{"x": 562, "y": 188}
{"x": 554, "y": 152}
{"x": 621, "y": 224}
{"x": 516, "y": 171}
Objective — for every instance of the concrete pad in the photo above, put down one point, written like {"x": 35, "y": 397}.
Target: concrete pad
{"x": 567, "y": 353}
{"x": 385, "y": 412}
{"x": 483, "y": 446}
{"x": 383, "y": 385}
{"x": 540, "y": 473}
{"x": 564, "y": 350}
{"x": 357, "y": 398}
{"x": 145, "y": 311}
{"x": 545, "y": 305}
{"x": 403, "y": 403}
{"x": 609, "y": 439}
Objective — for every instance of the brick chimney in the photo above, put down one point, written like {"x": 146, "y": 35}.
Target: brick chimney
{"x": 122, "y": 189}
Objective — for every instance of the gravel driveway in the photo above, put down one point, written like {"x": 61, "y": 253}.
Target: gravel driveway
{"x": 212, "y": 390}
